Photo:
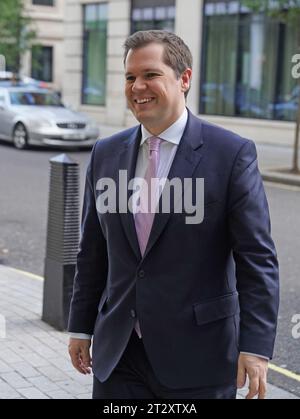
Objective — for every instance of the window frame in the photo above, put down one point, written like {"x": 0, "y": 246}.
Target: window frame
{"x": 151, "y": 4}
{"x": 85, "y": 49}
{"x": 40, "y": 3}
{"x": 268, "y": 114}
{"x": 40, "y": 71}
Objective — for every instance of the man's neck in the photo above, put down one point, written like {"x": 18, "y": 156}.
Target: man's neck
{"x": 157, "y": 130}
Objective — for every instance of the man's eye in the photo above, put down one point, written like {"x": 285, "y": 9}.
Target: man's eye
{"x": 151, "y": 75}
{"x": 130, "y": 78}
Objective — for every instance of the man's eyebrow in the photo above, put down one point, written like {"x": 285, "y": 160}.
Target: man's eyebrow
{"x": 153, "y": 70}
{"x": 147, "y": 70}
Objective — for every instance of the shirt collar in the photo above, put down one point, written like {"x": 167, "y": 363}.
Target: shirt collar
{"x": 172, "y": 134}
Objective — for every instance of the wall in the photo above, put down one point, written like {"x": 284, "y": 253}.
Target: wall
{"x": 188, "y": 25}
{"x": 48, "y": 21}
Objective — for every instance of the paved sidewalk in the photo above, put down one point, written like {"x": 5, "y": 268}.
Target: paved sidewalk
{"x": 34, "y": 361}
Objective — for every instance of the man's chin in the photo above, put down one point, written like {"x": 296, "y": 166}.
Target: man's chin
{"x": 145, "y": 117}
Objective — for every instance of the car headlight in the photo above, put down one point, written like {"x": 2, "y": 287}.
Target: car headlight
{"x": 92, "y": 124}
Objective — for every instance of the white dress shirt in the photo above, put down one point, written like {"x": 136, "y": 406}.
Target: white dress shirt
{"x": 171, "y": 138}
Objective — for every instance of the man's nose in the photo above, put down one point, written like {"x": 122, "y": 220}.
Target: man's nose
{"x": 138, "y": 85}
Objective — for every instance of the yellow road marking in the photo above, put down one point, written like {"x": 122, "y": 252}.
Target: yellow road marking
{"x": 285, "y": 372}
{"x": 29, "y": 274}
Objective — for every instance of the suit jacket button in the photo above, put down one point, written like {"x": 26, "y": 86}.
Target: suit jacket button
{"x": 141, "y": 273}
{"x": 133, "y": 313}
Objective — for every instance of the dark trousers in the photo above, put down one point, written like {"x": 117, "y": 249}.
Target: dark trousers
{"x": 133, "y": 378}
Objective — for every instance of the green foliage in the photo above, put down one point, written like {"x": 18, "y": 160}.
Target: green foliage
{"x": 16, "y": 33}
{"x": 287, "y": 11}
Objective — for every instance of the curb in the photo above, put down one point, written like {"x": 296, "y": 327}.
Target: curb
{"x": 274, "y": 175}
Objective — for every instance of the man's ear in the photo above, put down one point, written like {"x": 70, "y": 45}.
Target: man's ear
{"x": 186, "y": 79}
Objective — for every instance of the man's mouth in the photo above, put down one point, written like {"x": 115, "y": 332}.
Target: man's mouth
{"x": 144, "y": 100}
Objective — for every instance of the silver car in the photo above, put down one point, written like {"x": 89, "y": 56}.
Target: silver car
{"x": 36, "y": 116}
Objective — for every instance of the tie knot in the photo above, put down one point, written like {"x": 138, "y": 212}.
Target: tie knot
{"x": 153, "y": 143}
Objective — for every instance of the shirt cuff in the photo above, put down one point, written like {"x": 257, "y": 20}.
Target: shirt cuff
{"x": 80, "y": 336}
{"x": 259, "y": 356}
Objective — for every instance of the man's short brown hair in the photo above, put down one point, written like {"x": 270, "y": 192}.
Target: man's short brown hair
{"x": 177, "y": 54}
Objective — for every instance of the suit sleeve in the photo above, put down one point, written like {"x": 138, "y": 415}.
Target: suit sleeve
{"x": 91, "y": 268}
{"x": 254, "y": 254}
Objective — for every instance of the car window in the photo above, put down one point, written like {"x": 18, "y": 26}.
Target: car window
{"x": 34, "y": 98}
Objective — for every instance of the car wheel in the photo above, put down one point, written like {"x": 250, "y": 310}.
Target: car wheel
{"x": 20, "y": 136}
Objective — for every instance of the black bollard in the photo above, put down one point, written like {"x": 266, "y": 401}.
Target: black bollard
{"x": 62, "y": 240}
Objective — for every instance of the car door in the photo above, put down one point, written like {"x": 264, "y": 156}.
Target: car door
{"x": 6, "y": 117}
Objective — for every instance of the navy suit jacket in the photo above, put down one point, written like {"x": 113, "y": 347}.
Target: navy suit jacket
{"x": 202, "y": 292}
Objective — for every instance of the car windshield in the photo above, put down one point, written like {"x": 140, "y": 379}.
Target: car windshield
{"x": 34, "y": 98}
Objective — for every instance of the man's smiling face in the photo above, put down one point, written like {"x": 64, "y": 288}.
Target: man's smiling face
{"x": 154, "y": 94}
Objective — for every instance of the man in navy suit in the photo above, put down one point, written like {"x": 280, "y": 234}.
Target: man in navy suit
{"x": 175, "y": 309}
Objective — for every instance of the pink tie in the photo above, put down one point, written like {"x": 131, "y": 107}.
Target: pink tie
{"x": 144, "y": 219}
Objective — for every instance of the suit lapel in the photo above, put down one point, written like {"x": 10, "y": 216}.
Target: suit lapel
{"x": 186, "y": 160}
{"x": 127, "y": 162}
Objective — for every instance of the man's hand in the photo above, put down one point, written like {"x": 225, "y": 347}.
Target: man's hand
{"x": 79, "y": 350}
{"x": 256, "y": 368}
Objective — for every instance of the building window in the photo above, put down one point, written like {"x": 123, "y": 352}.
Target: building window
{"x": 43, "y": 2}
{"x": 246, "y": 64}
{"x": 42, "y": 63}
{"x": 152, "y": 14}
{"x": 94, "y": 54}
